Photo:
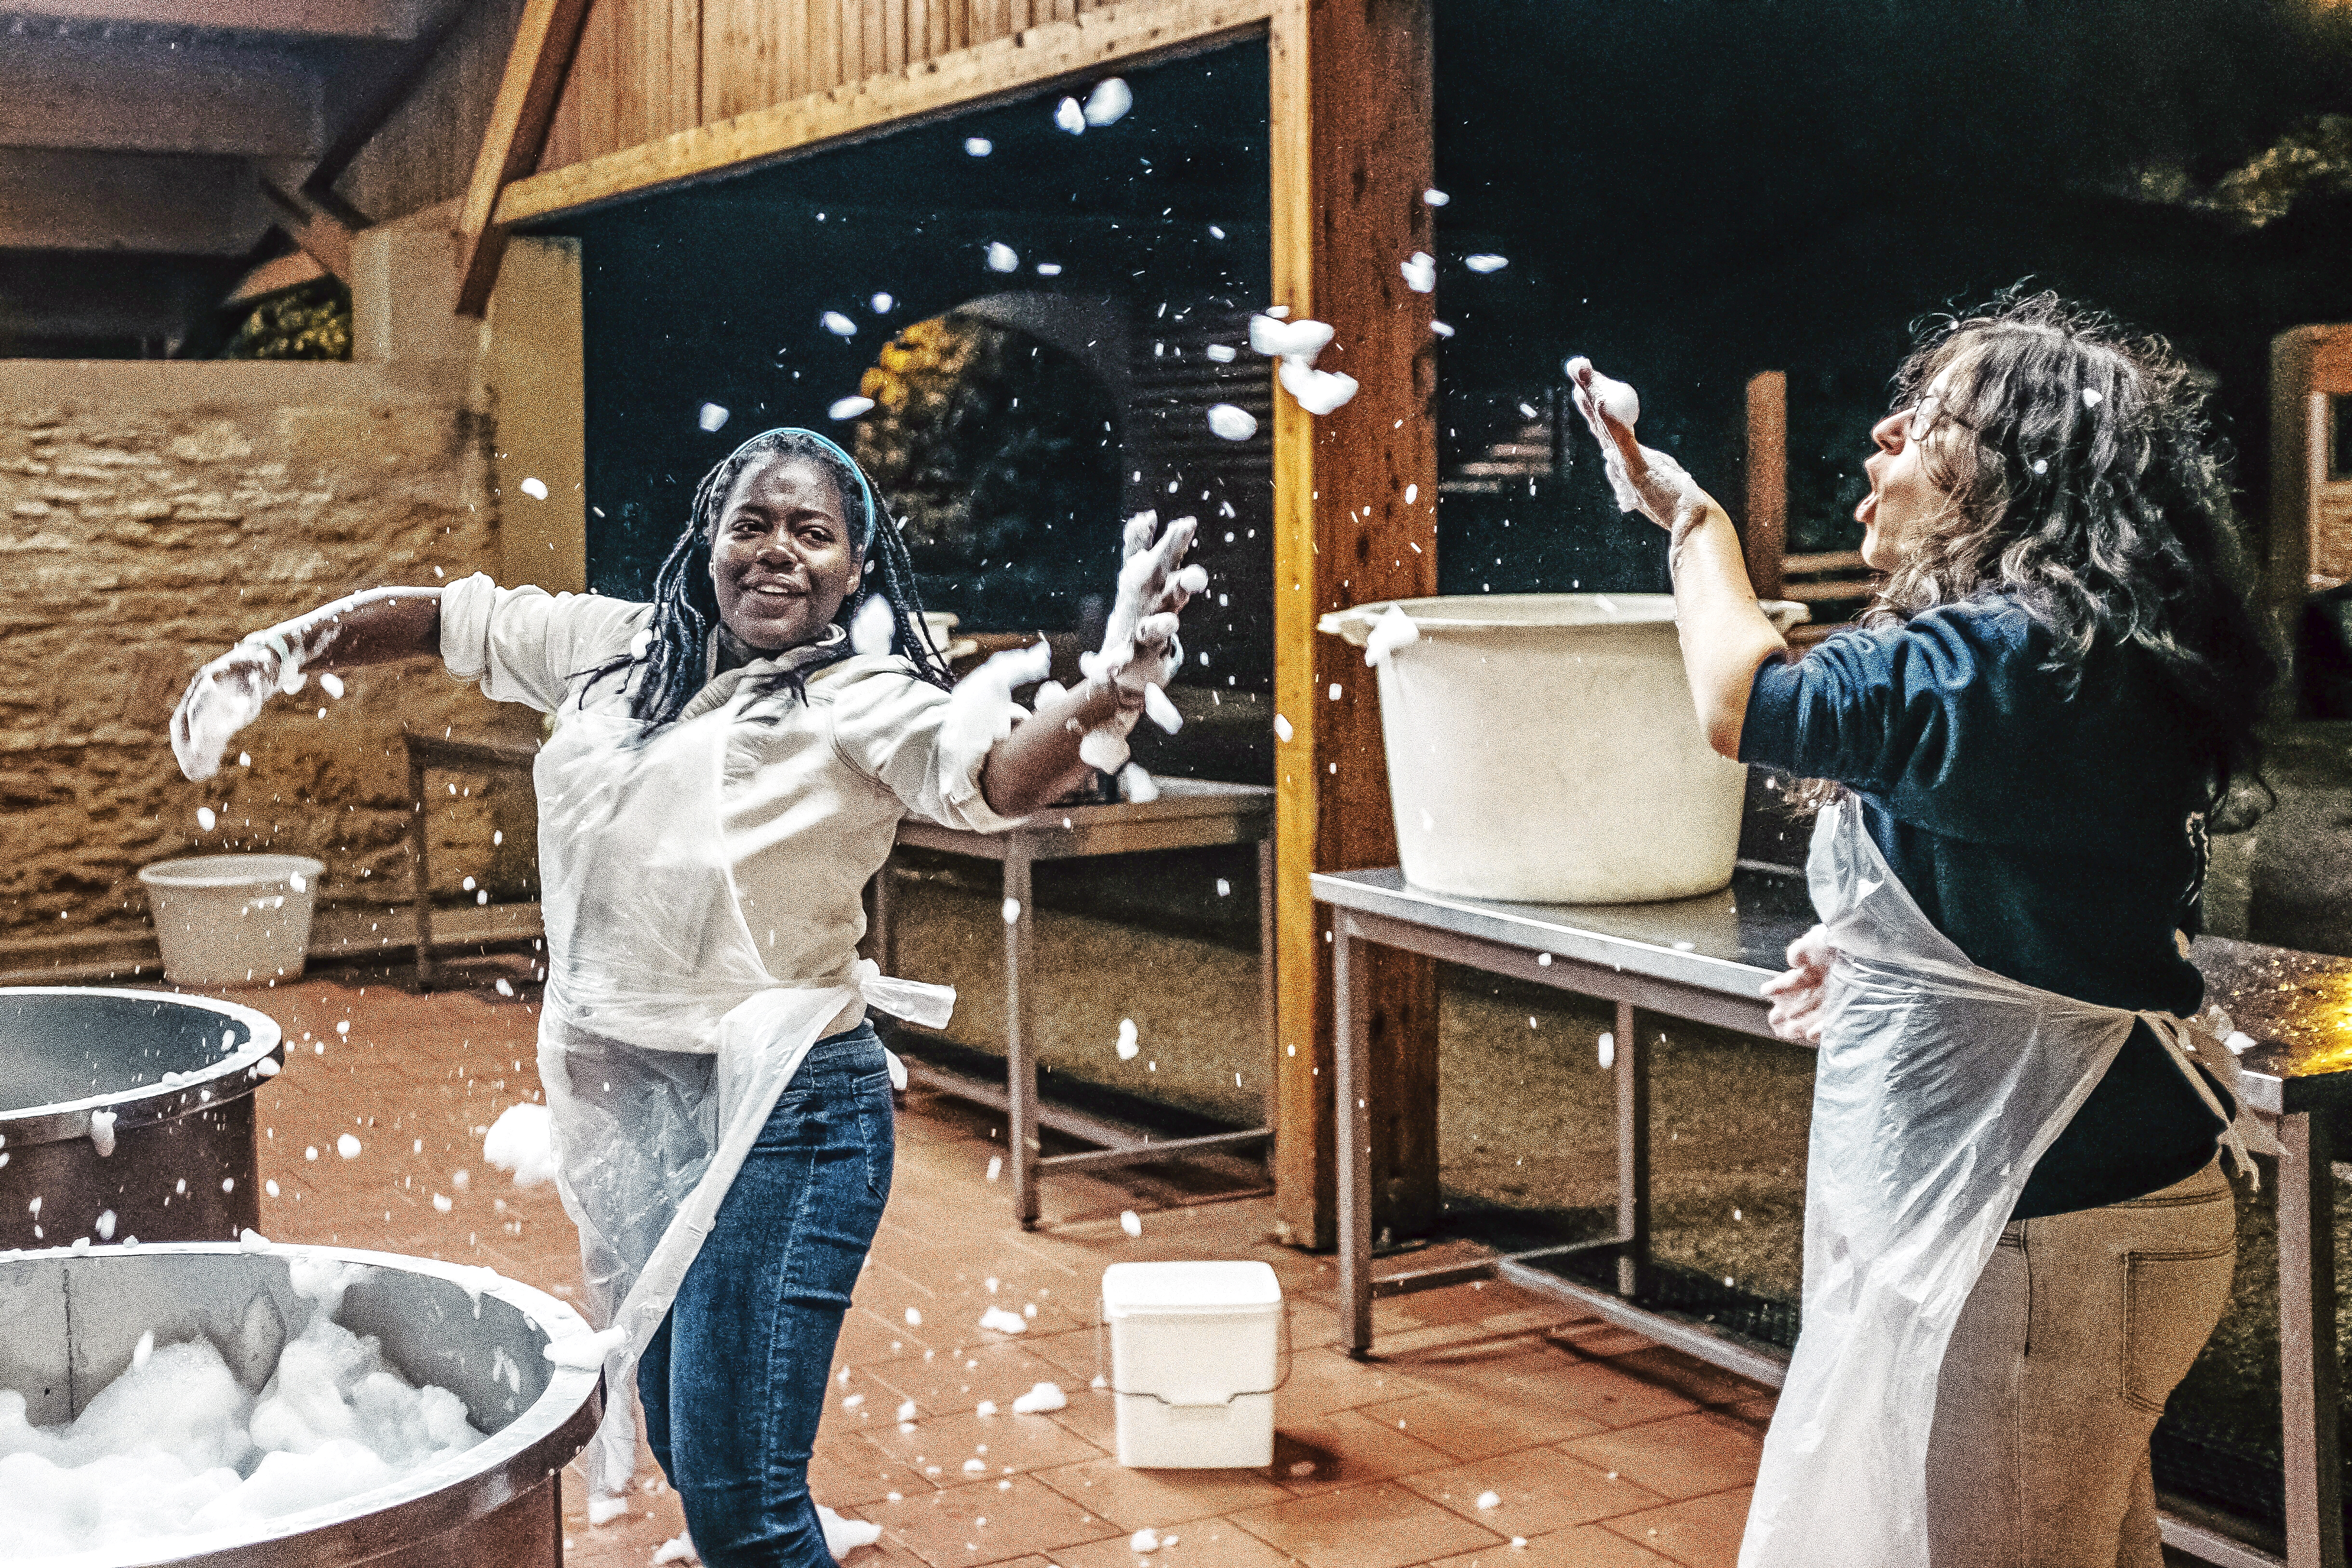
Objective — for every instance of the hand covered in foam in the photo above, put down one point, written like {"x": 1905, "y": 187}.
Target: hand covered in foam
{"x": 1141, "y": 650}
{"x": 225, "y": 697}
{"x": 1643, "y": 479}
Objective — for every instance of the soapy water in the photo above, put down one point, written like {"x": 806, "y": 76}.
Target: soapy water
{"x": 215, "y": 1440}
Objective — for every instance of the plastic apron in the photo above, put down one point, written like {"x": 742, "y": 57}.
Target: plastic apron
{"x": 1939, "y": 1085}
{"x": 664, "y": 1041}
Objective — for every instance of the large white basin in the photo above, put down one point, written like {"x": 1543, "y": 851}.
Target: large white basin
{"x": 1542, "y": 748}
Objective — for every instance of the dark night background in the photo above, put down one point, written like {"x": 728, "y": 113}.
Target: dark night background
{"x": 1688, "y": 192}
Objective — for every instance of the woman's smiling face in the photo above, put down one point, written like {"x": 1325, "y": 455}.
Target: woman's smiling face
{"x": 782, "y": 558}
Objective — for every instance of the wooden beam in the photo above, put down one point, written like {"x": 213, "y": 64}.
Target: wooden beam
{"x": 274, "y": 276}
{"x": 129, "y": 95}
{"x": 544, "y": 40}
{"x": 997, "y": 71}
{"x": 395, "y": 20}
{"x": 64, "y": 199}
{"x": 322, "y": 236}
{"x": 1351, "y": 154}
{"x": 1764, "y": 533}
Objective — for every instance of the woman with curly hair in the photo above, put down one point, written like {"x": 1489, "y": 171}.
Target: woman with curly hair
{"x": 728, "y": 767}
{"x": 2018, "y": 1231}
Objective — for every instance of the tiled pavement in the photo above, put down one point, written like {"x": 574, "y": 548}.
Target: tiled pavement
{"x": 1606, "y": 1451}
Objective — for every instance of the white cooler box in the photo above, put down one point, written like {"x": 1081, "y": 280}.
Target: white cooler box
{"x": 1195, "y": 1354}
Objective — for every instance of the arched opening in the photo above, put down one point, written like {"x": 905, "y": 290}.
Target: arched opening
{"x": 999, "y": 453}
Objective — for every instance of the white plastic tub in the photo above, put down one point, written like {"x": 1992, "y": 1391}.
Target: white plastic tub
{"x": 1195, "y": 1354}
{"x": 233, "y": 919}
{"x": 1542, "y": 748}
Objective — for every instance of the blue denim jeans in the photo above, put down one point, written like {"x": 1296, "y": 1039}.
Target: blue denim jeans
{"x": 734, "y": 1380}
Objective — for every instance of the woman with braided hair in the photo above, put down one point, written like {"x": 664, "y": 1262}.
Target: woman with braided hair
{"x": 726, "y": 770}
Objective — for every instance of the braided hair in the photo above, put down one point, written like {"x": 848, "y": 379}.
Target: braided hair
{"x": 666, "y": 667}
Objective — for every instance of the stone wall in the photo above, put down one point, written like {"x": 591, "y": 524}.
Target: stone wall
{"x": 151, "y": 514}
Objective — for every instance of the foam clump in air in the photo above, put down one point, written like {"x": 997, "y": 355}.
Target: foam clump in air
{"x": 1129, "y": 1224}
{"x": 874, "y": 627}
{"x": 1232, "y": 423}
{"x": 1301, "y": 339}
{"x": 1486, "y": 262}
{"x": 1002, "y": 257}
{"x": 1394, "y": 630}
{"x": 1320, "y": 391}
{"x": 1420, "y": 272}
{"x": 1070, "y": 116}
{"x": 1126, "y": 1046}
{"x": 102, "y": 1132}
{"x": 978, "y": 146}
{"x": 848, "y": 407}
{"x": 605, "y": 1510}
{"x": 1041, "y": 1398}
{"x": 839, "y": 325}
{"x": 1003, "y": 1322}
{"x": 522, "y": 1140}
{"x": 190, "y": 1442}
{"x": 713, "y": 417}
{"x": 535, "y": 488}
{"x": 1109, "y": 101}
{"x": 679, "y": 1548}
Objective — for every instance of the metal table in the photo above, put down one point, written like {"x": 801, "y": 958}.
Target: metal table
{"x": 1189, "y": 814}
{"x": 513, "y": 749}
{"x": 1705, "y": 960}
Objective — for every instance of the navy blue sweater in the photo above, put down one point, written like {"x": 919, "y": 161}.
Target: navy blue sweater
{"x": 2058, "y": 840}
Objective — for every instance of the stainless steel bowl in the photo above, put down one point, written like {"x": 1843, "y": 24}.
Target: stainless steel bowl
{"x": 177, "y": 1074}
{"x": 73, "y": 1320}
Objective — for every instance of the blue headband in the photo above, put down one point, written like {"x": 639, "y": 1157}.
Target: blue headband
{"x": 865, "y": 485}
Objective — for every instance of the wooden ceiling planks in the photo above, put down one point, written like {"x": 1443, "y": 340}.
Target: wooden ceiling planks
{"x": 1004, "y": 67}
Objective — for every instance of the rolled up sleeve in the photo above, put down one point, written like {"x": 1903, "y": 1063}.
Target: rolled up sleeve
{"x": 526, "y": 644}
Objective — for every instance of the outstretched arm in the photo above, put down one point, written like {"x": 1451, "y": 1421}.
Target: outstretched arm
{"x": 378, "y": 627}
{"x": 1725, "y": 635}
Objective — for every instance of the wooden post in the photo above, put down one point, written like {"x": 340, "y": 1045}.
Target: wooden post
{"x": 544, "y": 40}
{"x": 1764, "y": 531}
{"x": 1355, "y": 494}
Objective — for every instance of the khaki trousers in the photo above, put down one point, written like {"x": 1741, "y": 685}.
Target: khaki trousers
{"x": 2077, "y": 1332}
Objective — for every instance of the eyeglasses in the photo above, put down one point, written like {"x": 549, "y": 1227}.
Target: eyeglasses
{"x": 1926, "y": 414}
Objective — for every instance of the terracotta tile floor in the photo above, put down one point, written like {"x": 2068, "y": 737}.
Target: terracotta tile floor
{"x": 1606, "y": 1451}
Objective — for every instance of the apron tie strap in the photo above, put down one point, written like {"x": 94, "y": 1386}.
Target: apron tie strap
{"x": 2175, "y": 1032}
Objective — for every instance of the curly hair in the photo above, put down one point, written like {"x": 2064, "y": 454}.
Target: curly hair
{"x": 664, "y": 670}
{"x": 2082, "y": 483}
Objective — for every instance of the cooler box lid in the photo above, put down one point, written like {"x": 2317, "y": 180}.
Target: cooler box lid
{"x": 1142, "y": 1290}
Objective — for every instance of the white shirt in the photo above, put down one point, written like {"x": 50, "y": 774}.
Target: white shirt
{"x": 812, "y": 792}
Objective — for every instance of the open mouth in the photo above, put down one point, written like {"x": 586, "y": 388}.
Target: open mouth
{"x": 775, "y": 591}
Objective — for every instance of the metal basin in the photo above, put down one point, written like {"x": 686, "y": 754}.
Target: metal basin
{"x": 176, "y": 1073}
{"x": 74, "y": 1320}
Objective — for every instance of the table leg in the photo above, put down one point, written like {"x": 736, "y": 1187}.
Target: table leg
{"x": 1632, "y": 1149}
{"x": 1266, "y": 1006}
{"x": 1352, "y": 1131}
{"x": 1021, "y": 1090}
{"x": 423, "y": 900}
{"x": 2308, "y": 1372}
